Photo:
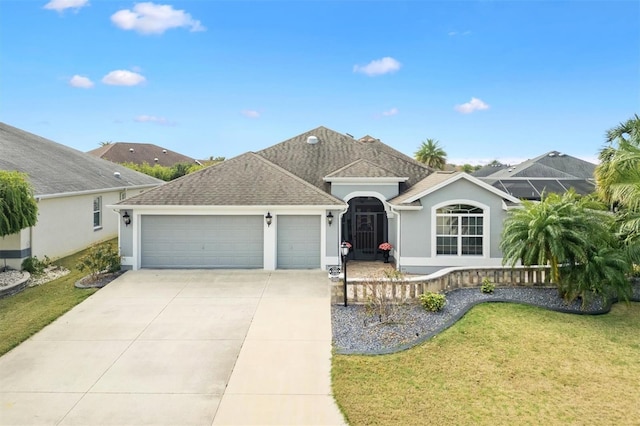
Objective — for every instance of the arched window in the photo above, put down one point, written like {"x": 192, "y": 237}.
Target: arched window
{"x": 459, "y": 230}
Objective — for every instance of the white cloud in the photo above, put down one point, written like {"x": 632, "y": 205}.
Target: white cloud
{"x": 456, "y": 33}
{"x": 81, "y": 82}
{"x": 250, "y": 113}
{"x": 123, "y": 78}
{"x": 474, "y": 104}
{"x": 150, "y": 18}
{"x": 153, "y": 119}
{"x": 378, "y": 67}
{"x": 61, "y": 5}
{"x": 392, "y": 111}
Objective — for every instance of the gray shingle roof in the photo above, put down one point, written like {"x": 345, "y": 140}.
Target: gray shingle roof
{"x": 312, "y": 162}
{"x": 362, "y": 168}
{"x": 246, "y": 180}
{"x": 549, "y": 172}
{"x": 548, "y": 165}
{"x": 139, "y": 153}
{"x": 426, "y": 183}
{"x": 56, "y": 169}
{"x": 488, "y": 170}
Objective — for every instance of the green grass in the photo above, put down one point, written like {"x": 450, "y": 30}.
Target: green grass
{"x": 24, "y": 314}
{"x": 503, "y": 364}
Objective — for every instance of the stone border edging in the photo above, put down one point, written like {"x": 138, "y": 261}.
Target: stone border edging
{"x": 16, "y": 287}
{"x": 455, "y": 318}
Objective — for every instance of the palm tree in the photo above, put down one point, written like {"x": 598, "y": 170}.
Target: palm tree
{"x": 618, "y": 174}
{"x": 575, "y": 237}
{"x": 431, "y": 154}
{"x": 548, "y": 232}
{"x": 604, "y": 273}
{"x": 618, "y": 180}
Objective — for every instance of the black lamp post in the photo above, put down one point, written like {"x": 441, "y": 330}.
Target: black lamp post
{"x": 344, "y": 250}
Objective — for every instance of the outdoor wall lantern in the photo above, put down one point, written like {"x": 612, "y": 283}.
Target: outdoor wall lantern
{"x": 268, "y": 218}
{"x": 126, "y": 219}
{"x": 330, "y": 218}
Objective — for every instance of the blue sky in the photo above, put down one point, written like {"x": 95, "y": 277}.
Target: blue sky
{"x": 505, "y": 80}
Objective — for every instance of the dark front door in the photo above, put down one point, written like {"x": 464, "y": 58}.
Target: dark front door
{"x": 365, "y": 227}
{"x": 366, "y": 236}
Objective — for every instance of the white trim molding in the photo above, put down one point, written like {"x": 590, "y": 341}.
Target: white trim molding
{"x": 467, "y": 177}
{"x": 451, "y": 261}
{"x": 486, "y": 231}
{"x": 374, "y": 194}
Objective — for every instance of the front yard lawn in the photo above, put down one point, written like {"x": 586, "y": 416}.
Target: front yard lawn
{"x": 503, "y": 364}
{"x": 24, "y": 314}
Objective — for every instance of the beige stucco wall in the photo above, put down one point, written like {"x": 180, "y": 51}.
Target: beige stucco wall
{"x": 65, "y": 226}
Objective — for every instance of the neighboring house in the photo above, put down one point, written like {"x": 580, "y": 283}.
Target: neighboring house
{"x": 553, "y": 172}
{"x": 72, "y": 190}
{"x": 290, "y": 205}
{"x": 140, "y": 153}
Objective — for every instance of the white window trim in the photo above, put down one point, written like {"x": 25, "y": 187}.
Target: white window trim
{"x": 486, "y": 231}
{"x": 99, "y": 211}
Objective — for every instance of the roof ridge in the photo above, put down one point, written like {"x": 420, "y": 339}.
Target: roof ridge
{"x": 394, "y": 153}
{"x": 296, "y": 178}
{"x": 362, "y": 160}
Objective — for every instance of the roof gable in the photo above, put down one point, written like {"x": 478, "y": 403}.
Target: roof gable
{"x": 439, "y": 180}
{"x": 333, "y": 151}
{"x": 245, "y": 180}
{"x": 58, "y": 169}
{"x": 361, "y": 168}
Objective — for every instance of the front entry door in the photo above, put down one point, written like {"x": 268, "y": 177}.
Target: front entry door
{"x": 365, "y": 233}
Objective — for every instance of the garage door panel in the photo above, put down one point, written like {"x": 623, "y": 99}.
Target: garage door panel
{"x": 202, "y": 241}
{"x": 298, "y": 242}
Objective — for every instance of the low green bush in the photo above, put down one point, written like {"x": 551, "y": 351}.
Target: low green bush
{"x": 433, "y": 302}
{"x": 35, "y": 266}
{"x": 101, "y": 258}
{"x": 487, "y": 286}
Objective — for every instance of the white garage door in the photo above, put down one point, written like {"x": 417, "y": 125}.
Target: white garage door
{"x": 202, "y": 242}
{"x": 298, "y": 242}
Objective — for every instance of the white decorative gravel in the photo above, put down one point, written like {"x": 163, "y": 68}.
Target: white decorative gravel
{"x": 10, "y": 277}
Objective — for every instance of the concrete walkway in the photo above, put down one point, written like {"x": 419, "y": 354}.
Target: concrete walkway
{"x": 181, "y": 348}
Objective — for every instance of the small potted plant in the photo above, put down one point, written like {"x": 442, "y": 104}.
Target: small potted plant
{"x": 385, "y": 248}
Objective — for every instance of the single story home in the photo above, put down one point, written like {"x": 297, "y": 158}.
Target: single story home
{"x": 289, "y": 206}
{"x": 551, "y": 172}
{"x": 72, "y": 190}
{"x": 140, "y": 153}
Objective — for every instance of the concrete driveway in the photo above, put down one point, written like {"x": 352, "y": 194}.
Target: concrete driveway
{"x": 180, "y": 347}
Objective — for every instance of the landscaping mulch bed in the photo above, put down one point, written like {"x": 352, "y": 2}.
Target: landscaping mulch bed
{"x": 99, "y": 282}
{"x": 357, "y": 331}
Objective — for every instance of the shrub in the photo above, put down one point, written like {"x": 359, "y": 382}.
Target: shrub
{"x": 487, "y": 286}
{"x": 433, "y": 302}
{"x": 101, "y": 258}
{"x": 35, "y": 266}
{"x": 380, "y": 302}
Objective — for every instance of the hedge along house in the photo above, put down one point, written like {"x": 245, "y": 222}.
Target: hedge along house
{"x": 290, "y": 205}
{"x": 72, "y": 190}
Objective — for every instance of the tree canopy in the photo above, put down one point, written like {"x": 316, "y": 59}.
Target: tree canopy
{"x": 576, "y": 237}
{"x": 18, "y": 208}
{"x": 431, "y": 154}
{"x": 618, "y": 180}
